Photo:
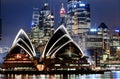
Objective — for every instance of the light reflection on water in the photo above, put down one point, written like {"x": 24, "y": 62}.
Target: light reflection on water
{"x": 106, "y": 75}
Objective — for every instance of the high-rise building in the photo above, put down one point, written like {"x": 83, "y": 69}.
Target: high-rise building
{"x": 78, "y": 20}
{"x": 36, "y": 36}
{"x": 93, "y": 45}
{"x": 46, "y": 21}
{"x": 78, "y": 17}
{"x": 113, "y": 60}
{"x": 97, "y": 44}
{"x": 42, "y": 27}
{"x": 115, "y": 44}
{"x": 104, "y": 31}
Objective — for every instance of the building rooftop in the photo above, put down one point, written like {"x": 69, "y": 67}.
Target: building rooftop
{"x": 102, "y": 25}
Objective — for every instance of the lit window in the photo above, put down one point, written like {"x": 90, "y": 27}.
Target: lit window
{"x": 82, "y": 5}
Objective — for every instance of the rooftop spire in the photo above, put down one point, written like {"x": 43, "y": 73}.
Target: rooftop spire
{"x": 62, "y": 10}
{"x": 46, "y": 6}
{"x": 62, "y": 5}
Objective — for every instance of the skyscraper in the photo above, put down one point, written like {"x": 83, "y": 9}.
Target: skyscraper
{"x": 115, "y": 44}
{"x": 78, "y": 17}
{"x": 42, "y": 27}
{"x": 46, "y": 21}
{"x": 78, "y": 20}
{"x": 93, "y": 45}
{"x": 104, "y": 31}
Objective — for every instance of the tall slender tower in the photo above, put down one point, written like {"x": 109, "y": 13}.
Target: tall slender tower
{"x": 62, "y": 15}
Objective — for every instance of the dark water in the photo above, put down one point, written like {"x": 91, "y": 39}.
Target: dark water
{"x": 106, "y": 75}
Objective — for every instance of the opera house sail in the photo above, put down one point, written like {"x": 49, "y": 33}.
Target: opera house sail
{"x": 21, "y": 55}
{"x": 61, "y": 52}
{"x": 60, "y": 41}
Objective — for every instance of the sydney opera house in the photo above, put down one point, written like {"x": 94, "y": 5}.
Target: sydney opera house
{"x": 21, "y": 53}
{"x": 60, "y": 53}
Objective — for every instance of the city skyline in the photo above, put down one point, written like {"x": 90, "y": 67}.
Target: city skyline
{"x": 51, "y": 36}
{"x": 18, "y": 14}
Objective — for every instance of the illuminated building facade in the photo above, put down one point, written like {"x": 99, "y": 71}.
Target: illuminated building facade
{"x": 113, "y": 60}
{"x": 36, "y": 36}
{"x": 115, "y": 44}
{"x": 78, "y": 20}
{"x": 97, "y": 44}
{"x": 93, "y": 45}
{"x": 78, "y": 17}
{"x": 46, "y": 21}
{"x": 35, "y": 17}
{"x": 104, "y": 31}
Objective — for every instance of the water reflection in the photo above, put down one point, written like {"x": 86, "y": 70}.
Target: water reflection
{"x": 106, "y": 75}
{"x": 116, "y": 74}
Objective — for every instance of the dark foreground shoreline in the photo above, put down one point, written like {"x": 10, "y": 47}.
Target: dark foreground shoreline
{"x": 53, "y": 72}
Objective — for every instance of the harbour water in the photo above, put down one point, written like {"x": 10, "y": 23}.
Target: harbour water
{"x": 106, "y": 75}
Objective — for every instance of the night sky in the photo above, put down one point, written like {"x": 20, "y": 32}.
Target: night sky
{"x": 17, "y": 14}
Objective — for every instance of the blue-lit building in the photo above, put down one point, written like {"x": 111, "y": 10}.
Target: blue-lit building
{"x": 35, "y": 17}
{"x": 78, "y": 17}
